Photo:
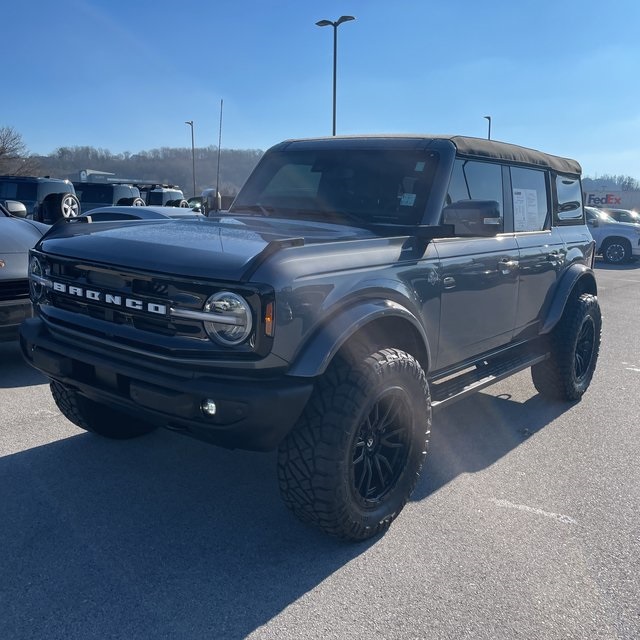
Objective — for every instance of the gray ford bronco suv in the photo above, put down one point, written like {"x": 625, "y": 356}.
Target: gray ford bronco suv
{"x": 354, "y": 286}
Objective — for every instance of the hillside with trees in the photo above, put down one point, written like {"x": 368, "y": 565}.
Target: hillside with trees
{"x": 174, "y": 165}
{"x": 165, "y": 165}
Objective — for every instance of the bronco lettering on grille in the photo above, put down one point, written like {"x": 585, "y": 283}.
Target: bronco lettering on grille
{"x": 113, "y": 299}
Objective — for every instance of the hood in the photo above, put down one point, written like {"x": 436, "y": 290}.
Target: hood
{"x": 222, "y": 248}
{"x": 18, "y": 235}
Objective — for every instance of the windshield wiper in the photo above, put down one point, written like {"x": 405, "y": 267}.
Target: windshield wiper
{"x": 254, "y": 208}
{"x": 331, "y": 215}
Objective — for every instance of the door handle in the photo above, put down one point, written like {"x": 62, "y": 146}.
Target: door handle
{"x": 554, "y": 256}
{"x": 506, "y": 266}
{"x": 448, "y": 282}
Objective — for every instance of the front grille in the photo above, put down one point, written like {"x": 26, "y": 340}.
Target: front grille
{"x": 123, "y": 285}
{"x": 13, "y": 290}
{"x": 126, "y": 327}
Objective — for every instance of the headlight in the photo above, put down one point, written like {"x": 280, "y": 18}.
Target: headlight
{"x": 36, "y": 279}
{"x": 235, "y": 322}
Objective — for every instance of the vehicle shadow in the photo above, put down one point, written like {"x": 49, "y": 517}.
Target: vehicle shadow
{"x": 158, "y": 537}
{"x": 162, "y": 537}
{"x": 14, "y": 371}
{"x": 476, "y": 432}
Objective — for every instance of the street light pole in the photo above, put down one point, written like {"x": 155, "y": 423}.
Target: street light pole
{"x": 193, "y": 155}
{"x": 489, "y": 133}
{"x": 335, "y": 25}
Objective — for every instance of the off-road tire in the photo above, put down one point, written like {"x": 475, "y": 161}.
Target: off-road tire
{"x": 575, "y": 344}
{"x": 616, "y": 251}
{"x": 355, "y": 455}
{"x": 97, "y": 418}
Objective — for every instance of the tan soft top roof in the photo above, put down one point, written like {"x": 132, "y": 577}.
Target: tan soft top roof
{"x": 481, "y": 148}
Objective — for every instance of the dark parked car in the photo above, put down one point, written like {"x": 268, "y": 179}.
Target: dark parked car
{"x": 17, "y": 236}
{"x": 355, "y": 285}
{"x": 46, "y": 199}
{"x": 93, "y": 195}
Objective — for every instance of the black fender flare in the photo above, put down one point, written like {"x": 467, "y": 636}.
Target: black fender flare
{"x": 577, "y": 275}
{"x": 314, "y": 357}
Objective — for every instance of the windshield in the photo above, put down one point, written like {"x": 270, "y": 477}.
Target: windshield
{"x": 98, "y": 193}
{"x": 364, "y": 186}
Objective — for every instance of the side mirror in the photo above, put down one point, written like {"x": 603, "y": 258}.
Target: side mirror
{"x": 474, "y": 217}
{"x": 593, "y": 222}
{"x": 15, "y": 208}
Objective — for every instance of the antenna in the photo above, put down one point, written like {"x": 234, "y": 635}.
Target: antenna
{"x": 218, "y": 198}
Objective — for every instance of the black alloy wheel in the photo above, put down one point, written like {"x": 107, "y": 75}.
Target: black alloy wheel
{"x": 381, "y": 447}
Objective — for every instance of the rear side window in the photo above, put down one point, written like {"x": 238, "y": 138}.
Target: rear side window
{"x": 569, "y": 197}
{"x": 18, "y": 191}
{"x": 530, "y": 199}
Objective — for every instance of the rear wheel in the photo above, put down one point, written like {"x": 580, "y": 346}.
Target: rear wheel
{"x": 60, "y": 205}
{"x": 95, "y": 417}
{"x": 352, "y": 461}
{"x": 575, "y": 344}
{"x": 616, "y": 251}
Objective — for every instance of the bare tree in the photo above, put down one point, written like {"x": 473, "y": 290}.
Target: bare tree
{"x": 14, "y": 156}
{"x": 607, "y": 181}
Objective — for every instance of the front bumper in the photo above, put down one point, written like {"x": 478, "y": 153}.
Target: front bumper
{"x": 12, "y": 313}
{"x": 250, "y": 413}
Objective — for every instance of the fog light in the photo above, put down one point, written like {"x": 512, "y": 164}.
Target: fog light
{"x": 208, "y": 407}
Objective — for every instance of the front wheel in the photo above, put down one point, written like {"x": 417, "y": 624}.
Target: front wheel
{"x": 95, "y": 417}
{"x": 575, "y": 344}
{"x": 352, "y": 461}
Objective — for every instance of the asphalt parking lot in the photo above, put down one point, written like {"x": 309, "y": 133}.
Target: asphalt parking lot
{"x": 525, "y": 524}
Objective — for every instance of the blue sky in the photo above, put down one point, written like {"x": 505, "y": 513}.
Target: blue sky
{"x": 125, "y": 75}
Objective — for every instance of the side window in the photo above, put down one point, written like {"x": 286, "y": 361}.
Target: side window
{"x": 471, "y": 180}
{"x": 530, "y": 199}
{"x": 475, "y": 203}
{"x": 569, "y": 196}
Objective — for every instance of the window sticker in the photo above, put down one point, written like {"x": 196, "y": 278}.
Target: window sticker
{"x": 408, "y": 200}
{"x": 419, "y": 167}
{"x": 525, "y": 210}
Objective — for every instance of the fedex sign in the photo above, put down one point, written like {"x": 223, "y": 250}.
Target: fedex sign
{"x": 608, "y": 198}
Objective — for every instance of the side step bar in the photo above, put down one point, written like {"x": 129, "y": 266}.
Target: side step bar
{"x": 454, "y": 388}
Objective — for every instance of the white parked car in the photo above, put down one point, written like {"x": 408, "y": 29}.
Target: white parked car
{"x": 17, "y": 236}
{"x": 616, "y": 242}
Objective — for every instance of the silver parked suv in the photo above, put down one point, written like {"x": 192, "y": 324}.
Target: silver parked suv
{"x": 617, "y": 242}
{"x": 16, "y": 238}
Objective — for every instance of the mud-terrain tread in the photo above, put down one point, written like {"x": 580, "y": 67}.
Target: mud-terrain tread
{"x": 554, "y": 378}
{"x": 312, "y": 459}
